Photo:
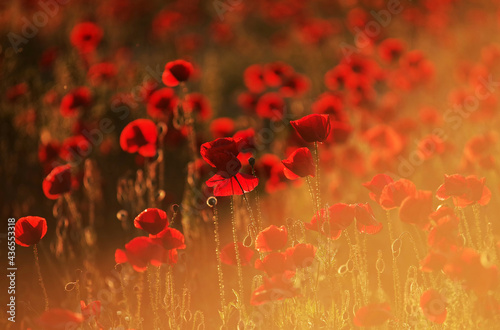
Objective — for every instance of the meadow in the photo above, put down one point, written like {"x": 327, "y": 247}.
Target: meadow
{"x": 234, "y": 164}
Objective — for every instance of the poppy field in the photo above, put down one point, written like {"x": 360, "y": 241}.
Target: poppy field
{"x": 234, "y": 164}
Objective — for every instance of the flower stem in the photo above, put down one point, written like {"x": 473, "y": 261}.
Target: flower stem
{"x": 40, "y": 279}
{"x": 217, "y": 254}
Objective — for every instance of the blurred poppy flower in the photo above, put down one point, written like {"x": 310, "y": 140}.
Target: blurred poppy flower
{"x": 139, "y": 136}
{"x": 48, "y": 152}
{"x": 336, "y": 78}
{"x": 464, "y": 190}
{"x": 295, "y": 85}
{"x": 433, "y": 261}
{"x": 313, "y": 128}
{"x": 299, "y": 164}
{"x": 90, "y": 310}
{"x": 417, "y": 208}
{"x": 302, "y": 255}
{"x": 16, "y": 91}
{"x": 58, "y": 182}
{"x": 139, "y": 252}
{"x": 101, "y": 73}
{"x": 228, "y": 254}
{"x": 169, "y": 239}
{"x": 222, "y": 127}
{"x": 430, "y": 146}
{"x": 394, "y": 193}
{"x": 340, "y": 132}
{"x": 176, "y": 72}
{"x": 433, "y": 305}
{"x": 391, "y": 49}
{"x": 372, "y": 315}
{"x": 86, "y": 36}
{"x": 58, "y": 319}
{"x": 253, "y": 77}
{"x": 74, "y": 148}
{"x": 271, "y": 238}
{"x": 30, "y": 230}
{"x": 151, "y": 220}
{"x": 331, "y": 104}
{"x": 278, "y": 287}
{"x": 270, "y": 106}
{"x": 162, "y": 103}
{"x": 274, "y": 73}
{"x": 222, "y": 154}
{"x": 445, "y": 233}
{"x": 74, "y": 101}
{"x": 197, "y": 104}
{"x": 273, "y": 264}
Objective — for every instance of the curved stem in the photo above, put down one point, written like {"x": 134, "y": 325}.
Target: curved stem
{"x": 40, "y": 278}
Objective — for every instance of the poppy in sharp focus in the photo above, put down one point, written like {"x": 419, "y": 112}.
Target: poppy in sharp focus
{"x": 176, "y": 72}
{"x": 433, "y": 305}
{"x": 30, "y": 230}
{"x": 313, "y": 128}
{"x": 140, "y": 136}
{"x": 271, "y": 238}
{"x": 228, "y": 254}
{"x": 222, "y": 154}
{"x": 151, "y": 220}
{"x": 299, "y": 164}
{"x": 86, "y": 36}
{"x": 365, "y": 219}
{"x": 58, "y": 182}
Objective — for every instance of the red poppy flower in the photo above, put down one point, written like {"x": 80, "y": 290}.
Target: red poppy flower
{"x": 169, "y": 239}
{"x": 198, "y": 104}
{"x": 139, "y": 252}
{"x": 90, "y": 310}
{"x": 301, "y": 254}
{"x": 271, "y": 238}
{"x": 162, "y": 103}
{"x": 464, "y": 190}
{"x": 430, "y": 146}
{"x": 331, "y": 222}
{"x": 481, "y": 149}
{"x": 340, "y": 132}
{"x": 74, "y": 101}
{"x": 30, "y": 230}
{"x": 151, "y": 220}
{"x": 274, "y": 73}
{"x": 57, "y": 319}
{"x": 277, "y": 179}
{"x": 395, "y": 193}
{"x": 445, "y": 234}
{"x": 313, "y": 128}
{"x": 140, "y": 136}
{"x": 365, "y": 219}
{"x": 299, "y": 164}
{"x": 337, "y": 77}
{"x": 254, "y": 78}
{"x": 330, "y": 104}
{"x": 391, "y": 49}
{"x": 74, "y": 148}
{"x": 101, "y": 73}
{"x": 467, "y": 267}
{"x": 417, "y": 208}
{"x": 433, "y": 261}
{"x": 176, "y": 72}
{"x": 384, "y": 138}
{"x": 278, "y": 287}
{"x": 223, "y": 155}
{"x": 270, "y": 106}
{"x": 16, "y": 91}
{"x": 273, "y": 264}
{"x": 295, "y": 85}
{"x": 222, "y": 127}
{"x": 433, "y": 305}
{"x": 372, "y": 315}
{"x": 86, "y": 36}
{"x": 228, "y": 254}
{"x": 58, "y": 182}
{"x": 48, "y": 152}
